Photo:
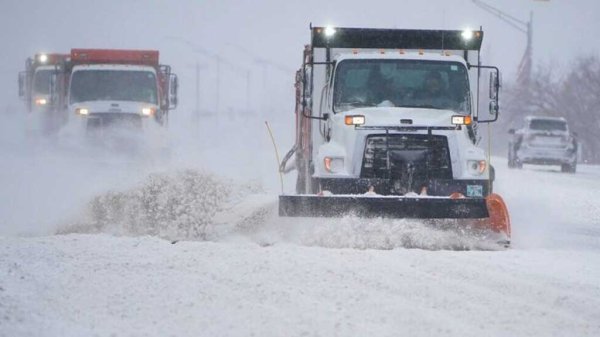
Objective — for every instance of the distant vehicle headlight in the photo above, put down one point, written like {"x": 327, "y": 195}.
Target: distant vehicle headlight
{"x": 41, "y": 101}
{"x": 82, "y": 111}
{"x": 147, "y": 111}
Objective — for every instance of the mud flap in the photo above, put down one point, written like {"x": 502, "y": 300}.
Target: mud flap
{"x": 382, "y": 206}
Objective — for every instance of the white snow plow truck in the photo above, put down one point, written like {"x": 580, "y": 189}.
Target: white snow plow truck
{"x": 386, "y": 126}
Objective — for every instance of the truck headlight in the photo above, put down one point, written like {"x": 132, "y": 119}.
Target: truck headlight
{"x": 354, "y": 120}
{"x": 462, "y": 120}
{"x": 82, "y": 111}
{"x": 41, "y": 101}
{"x": 334, "y": 165}
{"x": 476, "y": 167}
{"x": 147, "y": 111}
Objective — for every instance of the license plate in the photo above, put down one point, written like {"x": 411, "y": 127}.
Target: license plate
{"x": 474, "y": 191}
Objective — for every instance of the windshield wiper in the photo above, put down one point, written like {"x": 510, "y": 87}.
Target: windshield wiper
{"x": 355, "y": 104}
{"x": 423, "y": 106}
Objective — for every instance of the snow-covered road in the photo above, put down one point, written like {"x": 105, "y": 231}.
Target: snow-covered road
{"x": 82, "y": 285}
{"x": 269, "y": 277}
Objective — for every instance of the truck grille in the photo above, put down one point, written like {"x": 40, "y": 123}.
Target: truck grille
{"x": 413, "y": 159}
{"x": 125, "y": 120}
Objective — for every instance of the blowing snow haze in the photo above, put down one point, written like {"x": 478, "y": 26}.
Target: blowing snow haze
{"x": 176, "y": 230}
{"x": 260, "y": 40}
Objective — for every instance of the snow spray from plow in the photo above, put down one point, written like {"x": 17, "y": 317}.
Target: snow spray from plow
{"x": 195, "y": 205}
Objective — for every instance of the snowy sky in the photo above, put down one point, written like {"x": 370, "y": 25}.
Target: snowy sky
{"x": 190, "y": 31}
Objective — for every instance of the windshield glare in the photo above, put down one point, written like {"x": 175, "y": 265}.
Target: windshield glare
{"x": 113, "y": 85}
{"x": 401, "y": 83}
{"x": 41, "y": 82}
{"x": 547, "y": 125}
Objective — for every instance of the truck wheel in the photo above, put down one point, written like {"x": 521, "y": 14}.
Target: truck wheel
{"x": 518, "y": 164}
{"x": 511, "y": 163}
{"x": 568, "y": 168}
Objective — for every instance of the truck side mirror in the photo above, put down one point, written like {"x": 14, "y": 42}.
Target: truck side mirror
{"x": 22, "y": 75}
{"x": 53, "y": 89}
{"x": 494, "y": 107}
{"x": 173, "y": 87}
{"x": 494, "y": 85}
{"x": 511, "y": 131}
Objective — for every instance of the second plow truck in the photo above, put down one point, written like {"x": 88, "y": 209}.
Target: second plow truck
{"x": 106, "y": 87}
{"x": 386, "y": 126}
{"x": 34, "y": 90}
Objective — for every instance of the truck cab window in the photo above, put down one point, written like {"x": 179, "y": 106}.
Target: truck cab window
{"x": 93, "y": 85}
{"x": 404, "y": 83}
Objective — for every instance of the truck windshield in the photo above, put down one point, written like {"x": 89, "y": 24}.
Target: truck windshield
{"x": 401, "y": 83}
{"x": 547, "y": 125}
{"x": 41, "y": 82}
{"x": 113, "y": 85}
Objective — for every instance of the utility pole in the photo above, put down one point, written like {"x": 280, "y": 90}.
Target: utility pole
{"x": 197, "y": 90}
{"x": 524, "y": 70}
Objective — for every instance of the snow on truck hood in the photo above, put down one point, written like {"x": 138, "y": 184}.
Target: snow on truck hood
{"x": 391, "y": 116}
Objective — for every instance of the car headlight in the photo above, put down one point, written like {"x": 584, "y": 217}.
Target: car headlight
{"x": 334, "y": 165}
{"x": 476, "y": 167}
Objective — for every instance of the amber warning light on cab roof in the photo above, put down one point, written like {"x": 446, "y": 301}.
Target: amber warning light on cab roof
{"x": 144, "y": 57}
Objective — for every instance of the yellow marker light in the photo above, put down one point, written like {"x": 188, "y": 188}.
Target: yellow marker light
{"x": 329, "y": 31}
{"x": 333, "y": 165}
{"x": 354, "y": 120}
{"x": 327, "y": 162}
{"x": 462, "y": 120}
{"x": 147, "y": 111}
{"x": 82, "y": 111}
{"x": 43, "y": 58}
{"x": 41, "y": 101}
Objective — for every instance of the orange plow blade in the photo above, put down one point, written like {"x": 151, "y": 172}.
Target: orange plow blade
{"x": 499, "y": 219}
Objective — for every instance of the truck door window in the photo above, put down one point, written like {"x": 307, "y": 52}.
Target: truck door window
{"x": 41, "y": 82}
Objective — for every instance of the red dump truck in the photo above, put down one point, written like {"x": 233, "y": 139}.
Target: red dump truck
{"x": 99, "y": 88}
